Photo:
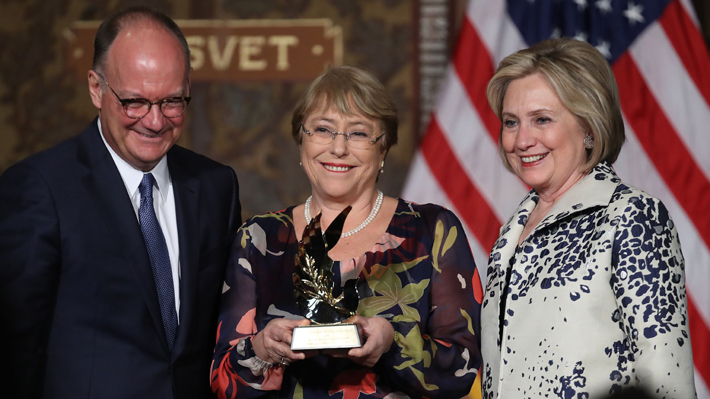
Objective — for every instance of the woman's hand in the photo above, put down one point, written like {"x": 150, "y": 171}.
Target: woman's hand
{"x": 378, "y": 335}
{"x": 273, "y": 343}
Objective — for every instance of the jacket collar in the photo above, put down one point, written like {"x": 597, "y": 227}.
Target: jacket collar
{"x": 593, "y": 190}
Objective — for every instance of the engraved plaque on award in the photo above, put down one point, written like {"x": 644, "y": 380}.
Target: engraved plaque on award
{"x": 313, "y": 289}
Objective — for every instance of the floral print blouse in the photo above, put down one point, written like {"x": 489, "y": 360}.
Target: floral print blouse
{"x": 420, "y": 275}
{"x": 591, "y": 302}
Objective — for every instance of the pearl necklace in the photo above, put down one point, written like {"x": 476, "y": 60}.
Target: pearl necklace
{"x": 370, "y": 217}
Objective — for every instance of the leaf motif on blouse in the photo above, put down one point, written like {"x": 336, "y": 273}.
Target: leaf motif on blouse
{"x": 412, "y": 347}
{"x": 465, "y": 370}
{"x": 396, "y": 395}
{"x": 410, "y": 212}
{"x": 274, "y": 311}
{"x": 247, "y": 325}
{"x": 352, "y": 382}
{"x": 388, "y": 242}
{"x": 439, "y": 248}
{"x": 259, "y": 241}
{"x": 243, "y": 262}
{"x": 280, "y": 216}
{"x": 470, "y": 322}
{"x": 377, "y": 271}
{"x": 298, "y": 391}
{"x": 461, "y": 280}
{"x": 244, "y": 233}
{"x": 258, "y": 238}
{"x": 391, "y": 292}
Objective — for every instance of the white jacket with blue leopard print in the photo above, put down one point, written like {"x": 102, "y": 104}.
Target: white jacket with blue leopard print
{"x": 596, "y": 299}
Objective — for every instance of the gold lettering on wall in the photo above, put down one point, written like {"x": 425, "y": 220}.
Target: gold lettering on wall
{"x": 238, "y": 50}
{"x": 220, "y": 59}
{"x": 249, "y": 51}
{"x": 197, "y": 53}
{"x": 282, "y": 44}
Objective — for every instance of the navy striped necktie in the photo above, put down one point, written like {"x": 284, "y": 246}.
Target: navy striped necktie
{"x": 159, "y": 258}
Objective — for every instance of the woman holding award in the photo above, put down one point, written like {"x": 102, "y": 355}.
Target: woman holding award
{"x": 586, "y": 289}
{"x": 419, "y": 292}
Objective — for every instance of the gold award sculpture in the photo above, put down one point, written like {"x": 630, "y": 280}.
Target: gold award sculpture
{"x": 313, "y": 289}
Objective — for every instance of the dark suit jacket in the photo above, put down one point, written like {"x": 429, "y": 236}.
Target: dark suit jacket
{"x": 79, "y": 313}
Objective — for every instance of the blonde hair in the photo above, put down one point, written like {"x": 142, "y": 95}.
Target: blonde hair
{"x": 346, "y": 87}
{"x": 583, "y": 80}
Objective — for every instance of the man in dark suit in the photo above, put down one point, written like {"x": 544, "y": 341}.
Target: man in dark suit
{"x": 113, "y": 244}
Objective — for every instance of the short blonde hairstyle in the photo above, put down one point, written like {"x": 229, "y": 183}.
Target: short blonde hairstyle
{"x": 583, "y": 80}
{"x": 345, "y": 87}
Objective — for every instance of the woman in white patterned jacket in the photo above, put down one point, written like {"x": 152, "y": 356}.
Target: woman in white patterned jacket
{"x": 586, "y": 290}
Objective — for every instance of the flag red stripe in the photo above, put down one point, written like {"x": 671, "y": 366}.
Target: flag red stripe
{"x": 663, "y": 146}
{"x": 469, "y": 203}
{"x": 657, "y": 132}
{"x": 474, "y": 73}
{"x": 686, "y": 41}
{"x": 680, "y": 173}
{"x": 700, "y": 336}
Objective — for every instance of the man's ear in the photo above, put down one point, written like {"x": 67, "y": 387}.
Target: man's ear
{"x": 95, "y": 89}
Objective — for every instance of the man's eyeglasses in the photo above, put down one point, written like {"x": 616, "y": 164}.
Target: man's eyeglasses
{"x": 355, "y": 139}
{"x": 137, "y": 108}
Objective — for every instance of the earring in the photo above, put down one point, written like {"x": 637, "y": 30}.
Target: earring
{"x": 382, "y": 167}
{"x": 300, "y": 163}
{"x": 589, "y": 142}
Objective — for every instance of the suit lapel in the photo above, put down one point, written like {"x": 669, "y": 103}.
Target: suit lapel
{"x": 505, "y": 247}
{"x": 105, "y": 185}
{"x": 186, "y": 190}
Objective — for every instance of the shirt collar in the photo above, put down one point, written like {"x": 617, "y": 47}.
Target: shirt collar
{"x": 132, "y": 177}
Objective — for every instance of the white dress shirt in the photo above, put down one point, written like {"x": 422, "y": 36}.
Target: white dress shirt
{"x": 164, "y": 204}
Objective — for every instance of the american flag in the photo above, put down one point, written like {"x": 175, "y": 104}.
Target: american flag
{"x": 662, "y": 68}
